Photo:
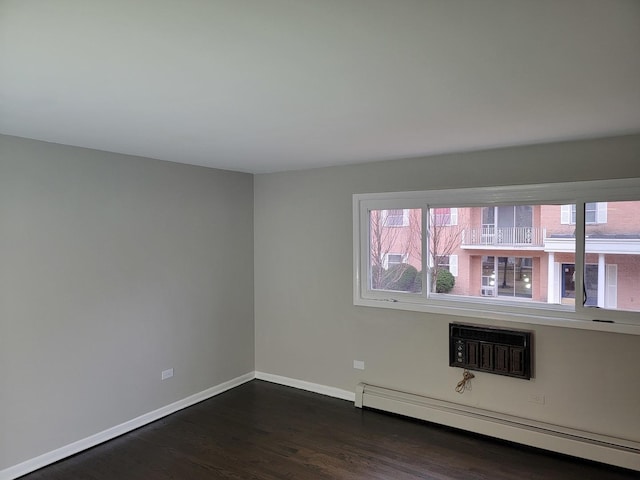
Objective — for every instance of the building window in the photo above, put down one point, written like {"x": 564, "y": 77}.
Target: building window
{"x": 594, "y": 213}
{"x": 395, "y": 218}
{"x": 507, "y": 225}
{"x": 516, "y": 252}
{"x": 445, "y": 216}
{"x": 449, "y": 263}
{"x": 507, "y": 276}
{"x": 394, "y": 259}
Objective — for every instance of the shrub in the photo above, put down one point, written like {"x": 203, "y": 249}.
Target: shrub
{"x": 401, "y": 277}
{"x": 417, "y": 284}
{"x": 444, "y": 281}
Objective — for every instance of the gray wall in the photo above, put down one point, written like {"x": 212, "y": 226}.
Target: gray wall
{"x": 112, "y": 269}
{"x": 307, "y": 327}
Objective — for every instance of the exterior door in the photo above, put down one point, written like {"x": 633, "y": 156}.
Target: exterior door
{"x": 568, "y": 280}
{"x": 591, "y": 284}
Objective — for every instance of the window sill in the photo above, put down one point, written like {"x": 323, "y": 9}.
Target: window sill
{"x": 485, "y": 316}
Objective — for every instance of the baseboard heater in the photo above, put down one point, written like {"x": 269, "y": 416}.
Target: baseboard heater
{"x": 601, "y": 448}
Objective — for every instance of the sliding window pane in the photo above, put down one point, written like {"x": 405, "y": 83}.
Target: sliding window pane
{"x": 612, "y": 258}
{"x": 504, "y": 252}
{"x": 395, "y": 250}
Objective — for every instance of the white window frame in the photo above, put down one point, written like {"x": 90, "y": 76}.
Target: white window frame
{"x": 577, "y": 193}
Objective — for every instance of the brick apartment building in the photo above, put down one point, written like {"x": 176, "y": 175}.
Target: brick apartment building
{"x": 521, "y": 252}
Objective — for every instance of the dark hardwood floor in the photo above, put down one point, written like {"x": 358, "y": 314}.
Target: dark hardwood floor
{"x": 265, "y": 431}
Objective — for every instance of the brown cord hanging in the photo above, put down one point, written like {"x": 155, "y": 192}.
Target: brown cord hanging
{"x": 466, "y": 378}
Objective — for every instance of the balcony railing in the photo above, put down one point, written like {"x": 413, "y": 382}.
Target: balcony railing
{"x": 504, "y": 236}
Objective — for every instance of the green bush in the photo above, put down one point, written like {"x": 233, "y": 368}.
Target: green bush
{"x": 401, "y": 277}
{"x": 444, "y": 281}
{"x": 417, "y": 285}
{"x": 406, "y": 279}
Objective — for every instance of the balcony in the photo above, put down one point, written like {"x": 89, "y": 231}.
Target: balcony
{"x": 503, "y": 237}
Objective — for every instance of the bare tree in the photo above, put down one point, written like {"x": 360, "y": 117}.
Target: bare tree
{"x": 444, "y": 239}
{"x": 407, "y": 239}
{"x": 388, "y": 238}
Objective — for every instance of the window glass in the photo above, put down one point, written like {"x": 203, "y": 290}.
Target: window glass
{"x": 444, "y": 216}
{"x": 443, "y": 261}
{"x": 612, "y": 258}
{"x": 503, "y": 252}
{"x": 506, "y": 251}
{"x": 394, "y": 218}
{"x": 594, "y": 212}
{"x": 395, "y": 259}
{"x": 590, "y": 212}
{"x": 395, "y": 250}
{"x": 508, "y": 276}
{"x": 444, "y": 241}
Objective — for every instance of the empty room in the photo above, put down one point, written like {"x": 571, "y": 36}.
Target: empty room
{"x": 319, "y": 239}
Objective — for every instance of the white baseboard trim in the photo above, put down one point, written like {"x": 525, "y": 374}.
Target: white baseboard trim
{"x": 308, "y": 386}
{"x": 53, "y": 456}
{"x": 578, "y": 443}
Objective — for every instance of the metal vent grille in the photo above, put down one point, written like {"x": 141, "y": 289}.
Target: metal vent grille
{"x": 493, "y": 350}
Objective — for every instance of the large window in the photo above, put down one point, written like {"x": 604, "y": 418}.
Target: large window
{"x": 540, "y": 252}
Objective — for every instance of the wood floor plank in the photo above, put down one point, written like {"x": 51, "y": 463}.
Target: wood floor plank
{"x": 263, "y": 431}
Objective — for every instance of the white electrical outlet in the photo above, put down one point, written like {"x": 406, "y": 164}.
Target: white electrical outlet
{"x": 167, "y": 374}
{"x": 358, "y": 364}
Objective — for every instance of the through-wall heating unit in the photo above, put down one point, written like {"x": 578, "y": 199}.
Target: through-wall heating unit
{"x": 491, "y": 350}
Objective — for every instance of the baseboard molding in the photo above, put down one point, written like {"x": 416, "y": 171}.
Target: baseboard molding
{"x": 601, "y": 448}
{"x": 308, "y": 386}
{"x": 60, "y": 453}
{"x": 618, "y": 452}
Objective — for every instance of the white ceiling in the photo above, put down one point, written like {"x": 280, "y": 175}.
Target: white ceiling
{"x": 270, "y": 85}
